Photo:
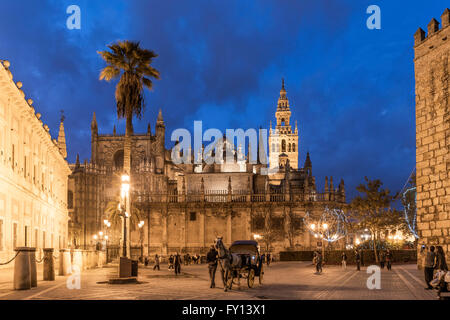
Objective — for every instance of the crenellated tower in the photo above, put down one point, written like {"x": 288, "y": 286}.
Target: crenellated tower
{"x": 432, "y": 73}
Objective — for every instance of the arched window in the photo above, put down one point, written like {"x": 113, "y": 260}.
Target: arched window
{"x": 118, "y": 159}
{"x": 289, "y": 147}
{"x": 283, "y": 145}
{"x": 293, "y": 147}
{"x": 273, "y": 147}
{"x": 282, "y": 121}
{"x": 69, "y": 199}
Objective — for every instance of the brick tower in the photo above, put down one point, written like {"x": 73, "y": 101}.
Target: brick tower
{"x": 432, "y": 58}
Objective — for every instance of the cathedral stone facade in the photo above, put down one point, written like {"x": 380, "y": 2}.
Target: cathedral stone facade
{"x": 186, "y": 206}
{"x": 432, "y": 59}
{"x": 33, "y": 175}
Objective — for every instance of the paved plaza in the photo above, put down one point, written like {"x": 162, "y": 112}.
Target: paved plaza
{"x": 282, "y": 280}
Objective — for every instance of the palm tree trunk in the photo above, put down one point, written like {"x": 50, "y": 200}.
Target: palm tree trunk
{"x": 127, "y": 171}
{"x": 127, "y": 145}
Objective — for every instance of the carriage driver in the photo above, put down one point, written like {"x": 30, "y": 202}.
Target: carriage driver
{"x": 211, "y": 259}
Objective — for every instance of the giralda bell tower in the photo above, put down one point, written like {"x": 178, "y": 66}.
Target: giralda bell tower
{"x": 283, "y": 142}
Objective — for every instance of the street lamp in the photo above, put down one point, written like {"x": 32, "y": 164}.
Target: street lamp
{"x": 124, "y": 194}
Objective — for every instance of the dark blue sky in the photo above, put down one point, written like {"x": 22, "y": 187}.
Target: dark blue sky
{"x": 351, "y": 89}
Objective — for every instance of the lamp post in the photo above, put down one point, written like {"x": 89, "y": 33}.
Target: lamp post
{"x": 141, "y": 235}
{"x": 124, "y": 195}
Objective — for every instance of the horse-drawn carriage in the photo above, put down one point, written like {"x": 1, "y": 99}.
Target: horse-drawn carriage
{"x": 241, "y": 260}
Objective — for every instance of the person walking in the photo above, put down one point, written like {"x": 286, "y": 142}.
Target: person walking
{"x": 358, "y": 260}
{"x": 319, "y": 263}
{"x": 156, "y": 266}
{"x": 361, "y": 252}
{"x": 430, "y": 262}
{"x": 388, "y": 259}
{"x": 146, "y": 261}
{"x": 344, "y": 260}
{"x": 441, "y": 264}
{"x": 211, "y": 259}
{"x": 268, "y": 258}
{"x": 382, "y": 259}
{"x": 171, "y": 258}
{"x": 177, "y": 261}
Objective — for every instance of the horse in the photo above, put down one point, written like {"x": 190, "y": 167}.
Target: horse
{"x": 229, "y": 263}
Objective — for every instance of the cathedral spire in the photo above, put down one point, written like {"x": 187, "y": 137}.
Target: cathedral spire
{"x": 77, "y": 163}
{"x": 308, "y": 163}
{"x": 94, "y": 126}
{"x": 160, "y": 117}
{"x": 62, "y": 138}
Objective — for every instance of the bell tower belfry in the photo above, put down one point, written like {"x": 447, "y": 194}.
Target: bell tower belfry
{"x": 283, "y": 141}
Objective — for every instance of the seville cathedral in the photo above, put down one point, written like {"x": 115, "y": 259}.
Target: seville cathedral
{"x": 186, "y": 206}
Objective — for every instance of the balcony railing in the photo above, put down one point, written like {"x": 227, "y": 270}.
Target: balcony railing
{"x": 237, "y": 196}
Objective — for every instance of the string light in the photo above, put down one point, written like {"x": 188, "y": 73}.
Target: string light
{"x": 331, "y": 225}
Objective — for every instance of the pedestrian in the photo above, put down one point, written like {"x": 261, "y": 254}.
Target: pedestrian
{"x": 344, "y": 260}
{"x": 171, "y": 258}
{"x": 263, "y": 258}
{"x": 362, "y": 257}
{"x": 441, "y": 264}
{"x": 177, "y": 263}
{"x": 319, "y": 263}
{"x": 268, "y": 258}
{"x": 388, "y": 259}
{"x": 146, "y": 261}
{"x": 358, "y": 260}
{"x": 382, "y": 259}
{"x": 430, "y": 263}
{"x": 156, "y": 266}
{"x": 211, "y": 259}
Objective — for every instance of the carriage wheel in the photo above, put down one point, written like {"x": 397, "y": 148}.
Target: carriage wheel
{"x": 261, "y": 275}
{"x": 251, "y": 278}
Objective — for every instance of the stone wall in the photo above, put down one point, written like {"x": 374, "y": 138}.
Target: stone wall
{"x": 432, "y": 58}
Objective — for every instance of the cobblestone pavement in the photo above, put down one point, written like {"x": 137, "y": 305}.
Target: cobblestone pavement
{"x": 282, "y": 280}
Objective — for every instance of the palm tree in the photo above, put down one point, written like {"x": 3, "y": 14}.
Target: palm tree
{"x": 133, "y": 64}
{"x": 113, "y": 214}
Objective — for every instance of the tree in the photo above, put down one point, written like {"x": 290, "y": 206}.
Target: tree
{"x": 269, "y": 232}
{"x": 133, "y": 64}
{"x": 112, "y": 212}
{"x": 372, "y": 210}
{"x": 292, "y": 227}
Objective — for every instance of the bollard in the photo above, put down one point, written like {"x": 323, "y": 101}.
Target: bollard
{"x": 49, "y": 266}
{"x": 33, "y": 271}
{"x": 22, "y": 269}
{"x": 65, "y": 267}
{"x": 100, "y": 258}
{"x": 92, "y": 263}
{"x": 78, "y": 259}
{"x": 94, "y": 259}
{"x": 84, "y": 254}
